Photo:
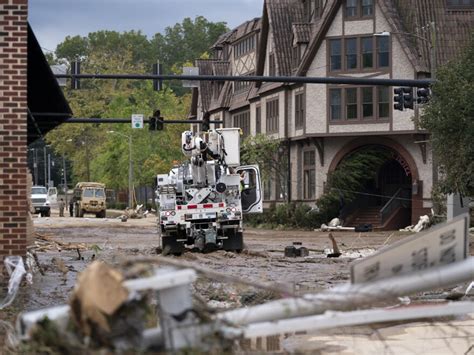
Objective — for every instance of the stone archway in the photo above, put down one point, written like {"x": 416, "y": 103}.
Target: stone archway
{"x": 400, "y": 158}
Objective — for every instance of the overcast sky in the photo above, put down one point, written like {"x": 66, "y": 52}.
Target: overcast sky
{"x": 53, "y": 20}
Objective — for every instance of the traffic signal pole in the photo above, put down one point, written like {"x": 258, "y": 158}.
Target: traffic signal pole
{"x": 255, "y": 78}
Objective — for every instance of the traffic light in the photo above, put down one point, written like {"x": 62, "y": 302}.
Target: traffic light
{"x": 399, "y": 97}
{"x": 408, "y": 101}
{"x": 156, "y": 123}
{"x": 75, "y": 70}
{"x": 152, "y": 124}
{"x": 423, "y": 95}
{"x": 157, "y": 70}
{"x": 205, "y": 122}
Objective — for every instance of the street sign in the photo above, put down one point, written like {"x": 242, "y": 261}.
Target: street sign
{"x": 137, "y": 121}
{"x": 438, "y": 246}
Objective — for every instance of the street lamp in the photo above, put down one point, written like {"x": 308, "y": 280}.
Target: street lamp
{"x": 431, "y": 41}
{"x": 130, "y": 167}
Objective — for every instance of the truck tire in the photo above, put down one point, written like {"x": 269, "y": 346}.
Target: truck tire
{"x": 101, "y": 214}
{"x": 234, "y": 242}
{"x": 48, "y": 213}
{"x": 81, "y": 213}
{"x": 171, "y": 246}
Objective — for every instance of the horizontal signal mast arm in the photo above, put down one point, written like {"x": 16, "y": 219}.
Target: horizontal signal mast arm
{"x": 268, "y": 79}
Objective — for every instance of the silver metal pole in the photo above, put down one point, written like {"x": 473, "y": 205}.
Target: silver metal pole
{"x": 49, "y": 170}
{"x": 45, "y": 167}
{"x": 349, "y": 296}
{"x": 130, "y": 173}
{"x": 65, "y": 179}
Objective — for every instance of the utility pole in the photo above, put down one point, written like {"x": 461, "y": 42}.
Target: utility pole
{"x": 130, "y": 173}
{"x": 44, "y": 166}
{"x": 65, "y": 179}
{"x": 49, "y": 170}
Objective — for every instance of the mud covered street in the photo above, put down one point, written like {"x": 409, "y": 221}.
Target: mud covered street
{"x": 262, "y": 261}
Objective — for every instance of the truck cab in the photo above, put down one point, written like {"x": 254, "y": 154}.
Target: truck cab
{"x": 89, "y": 197}
{"x": 39, "y": 201}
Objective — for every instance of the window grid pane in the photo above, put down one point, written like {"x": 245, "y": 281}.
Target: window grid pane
{"x": 367, "y": 7}
{"x": 384, "y": 101}
{"x": 383, "y": 51}
{"x": 351, "y": 8}
{"x": 351, "y": 53}
{"x": 335, "y": 50}
{"x": 335, "y": 103}
{"x": 367, "y": 52}
{"x": 367, "y": 103}
{"x": 351, "y": 103}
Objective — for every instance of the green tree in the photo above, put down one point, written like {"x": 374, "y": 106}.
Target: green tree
{"x": 449, "y": 117}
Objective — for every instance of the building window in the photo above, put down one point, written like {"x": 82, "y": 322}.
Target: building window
{"x": 351, "y": 8}
{"x": 359, "y": 103}
{"x": 367, "y": 52}
{"x": 367, "y": 102}
{"x": 383, "y": 52}
{"x": 335, "y": 53}
{"x": 367, "y": 8}
{"x": 335, "y": 103}
{"x": 357, "y": 53}
{"x": 242, "y": 86}
{"x": 359, "y": 9}
{"x": 351, "y": 104}
{"x": 460, "y": 4}
{"x": 299, "y": 110}
{"x": 272, "y": 116}
{"x": 258, "y": 119}
{"x": 312, "y": 9}
{"x": 244, "y": 46}
{"x": 384, "y": 101}
{"x": 271, "y": 65}
{"x": 242, "y": 120}
{"x": 351, "y": 53}
{"x": 309, "y": 174}
{"x": 296, "y": 56}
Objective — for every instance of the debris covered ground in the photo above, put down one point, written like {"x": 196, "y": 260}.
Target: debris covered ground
{"x": 66, "y": 246}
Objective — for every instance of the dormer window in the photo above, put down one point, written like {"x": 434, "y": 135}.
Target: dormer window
{"x": 359, "y": 9}
{"x": 312, "y": 9}
{"x": 244, "y": 46}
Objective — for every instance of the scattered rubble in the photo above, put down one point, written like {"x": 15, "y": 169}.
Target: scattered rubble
{"x": 47, "y": 243}
{"x": 423, "y": 223}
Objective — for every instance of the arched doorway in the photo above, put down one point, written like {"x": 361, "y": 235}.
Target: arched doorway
{"x": 386, "y": 199}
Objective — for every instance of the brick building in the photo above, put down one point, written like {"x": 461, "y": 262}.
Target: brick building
{"x": 320, "y": 125}
{"x": 29, "y": 99}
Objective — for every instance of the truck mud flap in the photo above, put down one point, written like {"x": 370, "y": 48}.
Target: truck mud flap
{"x": 171, "y": 246}
{"x": 234, "y": 242}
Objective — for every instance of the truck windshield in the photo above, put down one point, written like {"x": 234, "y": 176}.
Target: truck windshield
{"x": 88, "y": 193}
{"x": 38, "y": 191}
{"x": 99, "y": 193}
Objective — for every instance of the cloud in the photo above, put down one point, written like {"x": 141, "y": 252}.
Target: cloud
{"x": 53, "y": 20}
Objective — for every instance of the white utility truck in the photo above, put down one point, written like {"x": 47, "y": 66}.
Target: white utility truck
{"x": 201, "y": 202}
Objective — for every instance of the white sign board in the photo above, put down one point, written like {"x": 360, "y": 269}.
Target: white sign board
{"x": 137, "y": 121}
{"x": 190, "y": 71}
{"x": 438, "y": 246}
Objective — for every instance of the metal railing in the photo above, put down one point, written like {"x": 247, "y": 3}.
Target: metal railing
{"x": 399, "y": 199}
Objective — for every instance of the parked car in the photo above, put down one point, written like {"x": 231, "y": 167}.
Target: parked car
{"x": 39, "y": 201}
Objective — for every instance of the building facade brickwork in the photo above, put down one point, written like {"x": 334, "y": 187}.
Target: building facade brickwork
{"x": 13, "y": 128}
